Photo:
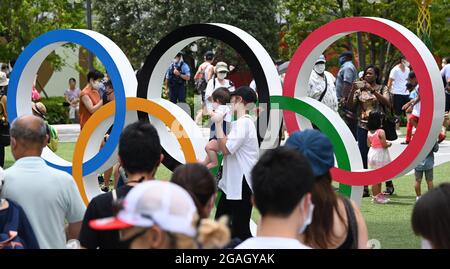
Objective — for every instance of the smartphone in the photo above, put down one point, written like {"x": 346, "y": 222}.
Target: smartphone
{"x": 360, "y": 84}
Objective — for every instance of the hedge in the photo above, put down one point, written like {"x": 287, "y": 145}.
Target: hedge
{"x": 57, "y": 113}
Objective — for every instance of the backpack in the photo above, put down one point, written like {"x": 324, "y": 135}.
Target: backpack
{"x": 9, "y": 237}
{"x": 201, "y": 83}
{"x": 53, "y": 138}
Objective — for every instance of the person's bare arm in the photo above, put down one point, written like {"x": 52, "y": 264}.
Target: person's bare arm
{"x": 363, "y": 235}
{"x": 67, "y": 99}
{"x": 73, "y": 230}
{"x": 389, "y": 84}
{"x": 350, "y": 99}
{"x": 383, "y": 140}
{"x": 89, "y": 105}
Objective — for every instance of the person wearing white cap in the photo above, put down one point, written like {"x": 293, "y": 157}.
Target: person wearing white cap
{"x": 321, "y": 85}
{"x": 162, "y": 215}
{"x": 218, "y": 81}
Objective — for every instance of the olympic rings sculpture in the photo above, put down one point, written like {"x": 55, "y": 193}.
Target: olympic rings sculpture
{"x": 140, "y": 98}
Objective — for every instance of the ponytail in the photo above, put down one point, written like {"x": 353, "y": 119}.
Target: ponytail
{"x": 213, "y": 234}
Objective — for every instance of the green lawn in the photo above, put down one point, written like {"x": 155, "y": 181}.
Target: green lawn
{"x": 390, "y": 224}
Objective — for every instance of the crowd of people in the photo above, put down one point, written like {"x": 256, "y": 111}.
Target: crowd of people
{"x": 290, "y": 186}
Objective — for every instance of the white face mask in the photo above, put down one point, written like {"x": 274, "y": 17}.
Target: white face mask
{"x": 96, "y": 85}
{"x": 319, "y": 68}
{"x": 406, "y": 63}
{"x": 426, "y": 244}
{"x": 308, "y": 219}
{"x": 221, "y": 75}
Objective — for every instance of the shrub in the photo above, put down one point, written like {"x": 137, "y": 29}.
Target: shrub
{"x": 57, "y": 113}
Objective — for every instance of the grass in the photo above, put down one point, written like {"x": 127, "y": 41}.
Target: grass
{"x": 390, "y": 224}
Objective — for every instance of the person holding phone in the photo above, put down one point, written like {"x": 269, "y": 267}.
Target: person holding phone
{"x": 368, "y": 95}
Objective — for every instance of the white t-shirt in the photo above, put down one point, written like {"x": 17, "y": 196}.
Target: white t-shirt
{"x": 416, "y": 108}
{"x": 212, "y": 86}
{"x": 242, "y": 143}
{"x": 399, "y": 83}
{"x": 253, "y": 85}
{"x": 262, "y": 242}
{"x": 445, "y": 72}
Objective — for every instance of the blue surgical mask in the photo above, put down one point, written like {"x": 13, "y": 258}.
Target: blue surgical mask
{"x": 342, "y": 60}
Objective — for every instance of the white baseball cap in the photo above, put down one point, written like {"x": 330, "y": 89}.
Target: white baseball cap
{"x": 160, "y": 203}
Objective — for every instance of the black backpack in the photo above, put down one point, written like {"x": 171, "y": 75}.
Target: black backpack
{"x": 9, "y": 237}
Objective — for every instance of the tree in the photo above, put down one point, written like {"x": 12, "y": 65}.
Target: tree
{"x": 302, "y": 17}
{"x": 23, "y": 20}
{"x": 137, "y": 25}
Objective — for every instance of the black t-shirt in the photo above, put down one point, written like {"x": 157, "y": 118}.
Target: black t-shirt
{"x": 24, "y": 229}
{"x": 102, "y": 207}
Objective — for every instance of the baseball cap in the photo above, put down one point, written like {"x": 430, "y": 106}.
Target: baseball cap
{"x": 347, "y": 54}
{"x": 154, "y": 203}
{"x": 221, "y": 67}
{"x": 247, "y": 94}
{"x": 321, "y": 59}
{"x": 4, "y": 80}
{"x": 316, "y": 147}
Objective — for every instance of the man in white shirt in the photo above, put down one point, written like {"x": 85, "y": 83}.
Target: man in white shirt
{"x": 397, "y": 86}
{"x": 282, "y": 181}
{"x": 48, "y": 196}
{"x": 241, "y": 151}
{"x": 321, "y": 85}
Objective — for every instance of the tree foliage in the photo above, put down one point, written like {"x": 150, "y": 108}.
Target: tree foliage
{"x": 137, "y": 25}
{"x": 21, "y": 21}
{"x": 302, "y": 17}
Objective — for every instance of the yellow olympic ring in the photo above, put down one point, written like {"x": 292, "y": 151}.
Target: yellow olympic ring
{"x": 136, "y": 104}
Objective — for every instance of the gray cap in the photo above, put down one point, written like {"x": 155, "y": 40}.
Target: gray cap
{"x": 321, "y": 59}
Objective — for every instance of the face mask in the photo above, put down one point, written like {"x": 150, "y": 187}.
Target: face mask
{"x": 342, "y": 60}
{"x": 96, "y": 85}
{"x": 308, "y": 219}
{"x": 221, "y": 75}
{"x": 426, "y": 244}
{"x": 319, "y": 68}
{"x": 405, "y": 63}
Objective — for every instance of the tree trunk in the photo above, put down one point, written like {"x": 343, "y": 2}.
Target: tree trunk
{"x": 361, "y": 51}
{"x": 372, "y": 49}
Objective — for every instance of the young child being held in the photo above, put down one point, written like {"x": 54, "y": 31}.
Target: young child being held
{"x": 220, "y": 98}
{"x": 378, "y": 155}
